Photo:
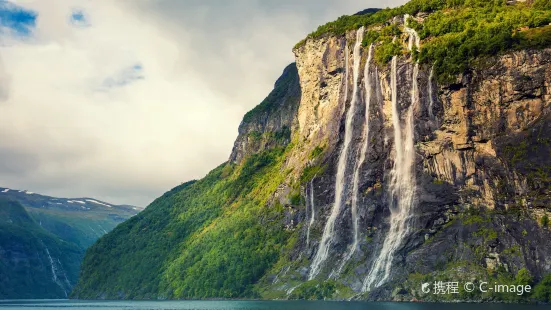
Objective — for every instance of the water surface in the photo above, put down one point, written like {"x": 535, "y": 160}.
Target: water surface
{"x": 251, "y": 305}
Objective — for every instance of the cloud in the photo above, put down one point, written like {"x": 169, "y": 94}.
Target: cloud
{"x": 122, "y": 100}
{"x": 4, "y": 82}
{"x": 124, "y": 77}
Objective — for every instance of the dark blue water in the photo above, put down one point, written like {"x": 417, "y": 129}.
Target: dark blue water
{"x": 250, "y": 305}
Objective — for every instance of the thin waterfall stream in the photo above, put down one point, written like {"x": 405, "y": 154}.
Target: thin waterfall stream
{"x": 402, "y": 185}
{"x": 329, "y": 229}
{"x": 361, "y": 160}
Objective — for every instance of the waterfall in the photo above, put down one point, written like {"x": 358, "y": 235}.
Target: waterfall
{"x": 413, "y": 36}
{"x": 431, "y": 99}
{"x": 359, "y": 163}
{"x": 54, "y": 271}
{"x": 402, "y": 185}
{"x": 312, "y": 210}
{"x": 54, "y": 275}
{"x": 329, "y": 230}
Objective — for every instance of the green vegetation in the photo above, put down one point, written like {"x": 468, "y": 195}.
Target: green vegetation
{"x": 314, "y": 290}
{"x": 456, "y": 33}
{"x": 544, "y": 221}
{"x": 486, "y": 233}
{"x": 542, "y": 291}
{"x": 317, "y": 151}
{"x": 386, "y": 50}
{"x": 255, "y": 135}
{"x": 278, "y": 94}
{"x": 296, "y": 199}
{"x": 211, "y": 238}
{"x": 25, "y": 266}
{"x": 311, "y": 171}
{"x": 514, "y": 251}
{"x": 473, "y": 216}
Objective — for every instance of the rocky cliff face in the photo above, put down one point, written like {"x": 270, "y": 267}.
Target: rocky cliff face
{"x": 481, "y": 169}
{"x": 271, "y": 122}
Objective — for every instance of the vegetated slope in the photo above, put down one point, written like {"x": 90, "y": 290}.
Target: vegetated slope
{"x": 208, "y": 238}
{"x": 472, "y": 100}
{"x": 43, "y": 240}
{"x": 34, "y": 262}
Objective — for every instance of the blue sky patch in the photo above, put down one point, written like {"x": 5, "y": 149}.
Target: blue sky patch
{"x": 17, "y": 19}
{"x": 79, "y": 18}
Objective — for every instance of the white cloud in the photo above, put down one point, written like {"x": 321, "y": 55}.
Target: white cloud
{"x": 78, "y": 118}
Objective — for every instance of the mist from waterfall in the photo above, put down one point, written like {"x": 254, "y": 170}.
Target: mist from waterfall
{"x": 329, "y": 230}
{"x": 361, "y": 160}
{"x": 402, "y": 184}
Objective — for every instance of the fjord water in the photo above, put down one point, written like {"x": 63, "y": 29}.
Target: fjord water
{"x": 250, "y": 305}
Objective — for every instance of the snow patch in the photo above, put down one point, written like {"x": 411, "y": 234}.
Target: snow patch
{"x": 99, "y": 203}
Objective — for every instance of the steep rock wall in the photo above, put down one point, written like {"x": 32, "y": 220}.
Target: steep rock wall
{"x": 270, "y": 123}
{"x": 480, "y": 145}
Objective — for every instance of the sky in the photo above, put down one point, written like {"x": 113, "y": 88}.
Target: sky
{"x": 121, "y": 100}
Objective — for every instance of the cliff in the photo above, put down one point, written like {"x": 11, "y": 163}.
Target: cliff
{"x": 406, "y": 161}
{"x": 270, "y": 123}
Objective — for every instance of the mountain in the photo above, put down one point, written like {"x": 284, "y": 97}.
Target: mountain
{"x": 43, "y": 240}
{"x": 405, "y": 146}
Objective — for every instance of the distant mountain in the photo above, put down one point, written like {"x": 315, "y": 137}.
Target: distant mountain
{"x": 368, "y": 11}
{"x": 43, "y": 240}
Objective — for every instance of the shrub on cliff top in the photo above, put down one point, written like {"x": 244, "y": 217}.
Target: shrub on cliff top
{"x": 455, "y": 33}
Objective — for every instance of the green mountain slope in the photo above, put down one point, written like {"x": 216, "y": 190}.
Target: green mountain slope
{"x": 207, "y": 238}
{"x": 34, "y": 262}
{"x": 43, "y": 240}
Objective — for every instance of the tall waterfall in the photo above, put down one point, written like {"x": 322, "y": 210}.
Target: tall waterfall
{"x": 402, "y": 185}
{"x": 361, "y": 160}
{"x": 312, "y": 210}
{"x": 329, "y": 230}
